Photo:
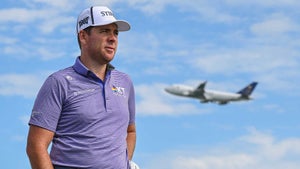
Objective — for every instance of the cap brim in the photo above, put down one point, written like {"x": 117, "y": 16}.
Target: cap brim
{"x": 122, "y": 25}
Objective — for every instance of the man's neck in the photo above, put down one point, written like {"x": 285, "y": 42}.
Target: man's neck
{"x": 98, "y": 69}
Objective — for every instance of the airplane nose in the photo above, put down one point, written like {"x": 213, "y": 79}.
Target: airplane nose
{"x": 167, "y": 89}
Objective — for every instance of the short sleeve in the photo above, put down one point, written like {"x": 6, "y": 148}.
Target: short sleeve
{"x": 48, "y": 105}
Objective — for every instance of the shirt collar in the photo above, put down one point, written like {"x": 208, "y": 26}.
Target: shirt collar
{"x": 80, "y": 68}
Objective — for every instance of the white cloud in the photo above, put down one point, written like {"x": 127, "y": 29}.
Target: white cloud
{"x": 208, "y": 10}
{"x": 25, "y": 85}
{"x": 108, "y": 3}
{"x": 244, "y": 62}
{"x": 56, "y": 24}
{"x": 8, "y": 40}
{"x": 277, "y": 24}
{"x": 257, "y": 150}
{"x": 144, "y": 49}
{"x": 271, "y": 66}
{"x": 66, "y": 5}
{"x": 274, "y": 108}
{"x": 229, "y": 161}
{"x": 23, "y": 51}
{"x": 271, "y": 148}
{"x": 265, "y": 3}
{"x": 40, "y": 48}
{"x": 47, "y": 16}
{"x": 20, "y": 15}
{"x": 149, "y": 7}
{"x": 47, "y": 54}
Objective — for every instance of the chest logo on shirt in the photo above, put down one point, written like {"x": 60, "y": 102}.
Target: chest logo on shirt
{"x": 120, "y": 91}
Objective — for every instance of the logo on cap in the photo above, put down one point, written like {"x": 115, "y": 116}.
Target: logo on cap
{"x": 106, "y": 13}
{"x": 83, "y": 21}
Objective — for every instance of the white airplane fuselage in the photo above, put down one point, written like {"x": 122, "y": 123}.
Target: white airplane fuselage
{"x": 208, "y": 95}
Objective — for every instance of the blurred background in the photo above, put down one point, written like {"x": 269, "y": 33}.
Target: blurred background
{"x": 229, "y": 43}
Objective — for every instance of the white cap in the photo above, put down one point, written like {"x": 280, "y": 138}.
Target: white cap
{"x": 98, "y": 16}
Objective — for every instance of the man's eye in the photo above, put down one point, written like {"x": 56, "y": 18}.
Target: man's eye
{"x": 103, "y": 31}
{"x": 107, "y": 31}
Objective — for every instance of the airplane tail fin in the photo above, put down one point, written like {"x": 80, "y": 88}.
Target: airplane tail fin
{"x": 246, "y": 92}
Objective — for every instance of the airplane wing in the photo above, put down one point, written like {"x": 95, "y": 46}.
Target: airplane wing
{"x": 201, "y": 86}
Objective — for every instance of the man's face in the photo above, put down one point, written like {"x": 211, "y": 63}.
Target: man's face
{"x": 101, "y": 43}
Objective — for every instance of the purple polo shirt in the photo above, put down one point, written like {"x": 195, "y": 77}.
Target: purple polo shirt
{"x": 89, "y": 117}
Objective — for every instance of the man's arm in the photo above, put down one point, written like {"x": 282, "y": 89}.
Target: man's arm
{"x": 37, "y": 147}
{"x": 131, "y": 140}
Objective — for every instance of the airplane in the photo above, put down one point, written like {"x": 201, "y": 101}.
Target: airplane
{"x": 206, "y": 95}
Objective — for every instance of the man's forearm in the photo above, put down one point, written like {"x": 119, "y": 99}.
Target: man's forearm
{"x": 39, "y": 159}
{"x": 131, "y": 140}
{"x": 37, "y": 147}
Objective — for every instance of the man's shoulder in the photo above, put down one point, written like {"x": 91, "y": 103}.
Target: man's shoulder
{"x": 119, "y": 74}
{"x": 63, "y": 72}
{"x": 62, "y": 75}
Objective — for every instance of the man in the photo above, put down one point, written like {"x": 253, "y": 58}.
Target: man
{"x": 87, "y": 111}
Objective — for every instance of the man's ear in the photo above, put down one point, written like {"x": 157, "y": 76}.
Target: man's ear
{"x": 82, "y": 35}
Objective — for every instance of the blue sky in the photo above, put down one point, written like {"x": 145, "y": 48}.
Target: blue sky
{"x": 229, "y": 43}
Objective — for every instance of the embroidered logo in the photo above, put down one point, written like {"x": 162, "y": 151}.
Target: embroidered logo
{"x": 69, "y": 77}
{"x": 83, "y": 21}
{"x": 106, "y": 13}
{"x": 120, "y": 91}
